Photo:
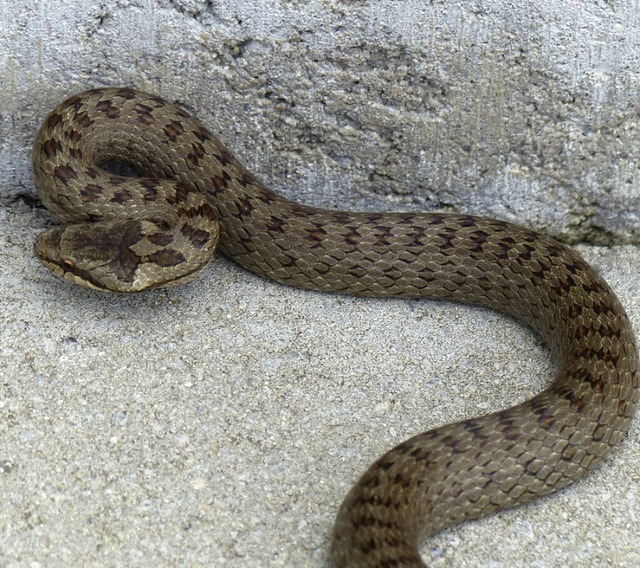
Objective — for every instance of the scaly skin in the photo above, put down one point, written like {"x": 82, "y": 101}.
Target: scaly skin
{"x": 131, "y": 234}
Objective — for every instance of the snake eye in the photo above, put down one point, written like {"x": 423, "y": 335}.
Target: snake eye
{"x": 68, "y": 263}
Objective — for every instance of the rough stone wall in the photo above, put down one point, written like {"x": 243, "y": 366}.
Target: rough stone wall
{"x": 523, "y": 110}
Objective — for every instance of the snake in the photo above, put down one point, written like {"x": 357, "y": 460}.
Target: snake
{"x": 183, "y": 196}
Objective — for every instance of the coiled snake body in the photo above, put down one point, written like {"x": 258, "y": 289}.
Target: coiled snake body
{"x": 134, "y": 233}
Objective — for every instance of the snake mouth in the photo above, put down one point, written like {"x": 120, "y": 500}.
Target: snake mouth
{"x": 47, "y": 242}
{"x": 63, "y": 267}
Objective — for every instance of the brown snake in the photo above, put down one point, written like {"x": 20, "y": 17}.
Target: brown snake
{"x": 133, "y": 233}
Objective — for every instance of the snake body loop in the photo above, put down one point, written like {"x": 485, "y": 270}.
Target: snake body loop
{"x": 130, "y": 234}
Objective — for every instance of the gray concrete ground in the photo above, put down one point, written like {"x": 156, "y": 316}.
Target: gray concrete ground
{"x": 222, "y": 423}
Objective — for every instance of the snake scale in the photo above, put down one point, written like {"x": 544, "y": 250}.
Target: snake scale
{"x": 159, "y": 228}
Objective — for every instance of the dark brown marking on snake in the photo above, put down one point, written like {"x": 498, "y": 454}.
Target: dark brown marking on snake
{"x": 121, "y": 196}
{"x": 275, "y": 225}
{"x": 196, "y": 155}
{"x": 577, "y": 404}
{"x": 203, "y": 211}
{"x": 127, "y": 265}
{"x": 158, "y": 100}
{"x": 404, "y": 219}
{"x": 625, "y": 408}
{"x": 117, "y": 180}
{"x": 53, "y": 120}
{"x": 115, "y": 245}
{"x": 75, "y": 153}
{"x": 92, "y": 172}
{"x": 526, "y": 253}
{"x": 480, "y": 239}
{"x": 509, "y": 242}
{"x": 75, "y": 102}
{"x": 207, "y": 212}
{"x": 436, "y": 219}
{"x": 90, "y": 192}
{"x": 302, "y": 211}
{"x": 74, "y": 136}
{"x": 267, "y": 197}
{"x": 244, "y": 205}
{"x": 353, "y": 238}
{"x": 218, "y": 183}
{"x": 224, "y": 156}
{"x": 180, "y": 112}
{"x": 446, "y": 237}
{"x": 167, "y": 257}
{"x": 197, "y": 237}
{"x": 478, "y": 433}
{"x": 180, "y": 195}
{"x": 173, "y": 130}
{"x": 142, "y": 108}
{"x": 51, "y": 147}
{"x": 417, "y": 239}
{"x": 420, "y": 454}
{"x": 83, "y": 274}
{"x": 145, "y": 114}
{"x": 600, "y": 308}
{"x": 150, "y": 194}
{"x": 383, "y": 235}
{"x": 150, "y": 184}
{"x": 83, "y": 119}
{"x": 65, "y": 174}
{"x": 126, "y": 93}
{"x": 161, "y": 239}
{"x": 109, "y": 109}
{"x": 246, "y": 179}
{"x": 468, "y": 222}
{"x": 597, "y": 385}
{"x": 574, "y": 311}
{"x": 203, "y": 135}
{"x": 316, "y": 235}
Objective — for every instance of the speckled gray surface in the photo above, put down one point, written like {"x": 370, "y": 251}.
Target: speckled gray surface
{"x": 221, "y": 424}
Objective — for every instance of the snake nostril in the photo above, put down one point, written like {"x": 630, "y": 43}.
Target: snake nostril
{"x": 68, "y": 263}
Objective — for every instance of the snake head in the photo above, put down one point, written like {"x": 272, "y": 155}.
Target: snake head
{"x": 124, "y": 256}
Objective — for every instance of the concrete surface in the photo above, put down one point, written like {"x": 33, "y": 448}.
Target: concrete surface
{"x": 221, "y": 424}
